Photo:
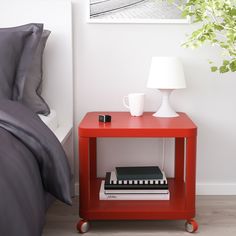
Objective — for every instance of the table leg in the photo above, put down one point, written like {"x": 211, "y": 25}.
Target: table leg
{"x": 179, "y": 158}
{"x": 93, "y": 157}
{"x": 84, "y": 173}
{"x": 191, "y": 173}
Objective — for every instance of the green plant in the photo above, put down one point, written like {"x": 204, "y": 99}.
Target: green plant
{"x": 217, "y": 20}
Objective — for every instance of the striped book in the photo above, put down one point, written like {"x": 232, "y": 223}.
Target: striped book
{"x": 111, "y": 182}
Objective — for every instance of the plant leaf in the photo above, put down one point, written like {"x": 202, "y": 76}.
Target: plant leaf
{"x": 224, "y": 69}
{"x": 232, "y": 66}
{"x": 214, "y": 69}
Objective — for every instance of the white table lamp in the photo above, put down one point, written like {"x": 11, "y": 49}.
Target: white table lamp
{"x": 166, "y": 74}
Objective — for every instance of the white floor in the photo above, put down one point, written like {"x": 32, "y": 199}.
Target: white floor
{"x": 216, "y": 216}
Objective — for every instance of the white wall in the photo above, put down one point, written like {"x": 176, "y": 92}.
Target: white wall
{"x": 112, "y": 60}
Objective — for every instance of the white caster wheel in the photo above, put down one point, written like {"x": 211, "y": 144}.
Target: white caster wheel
{"x": 191, "y": 226}
{"x": 82, "y": 226}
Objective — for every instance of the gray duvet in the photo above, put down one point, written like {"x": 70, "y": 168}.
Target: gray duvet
{"x": 32, "y": 163}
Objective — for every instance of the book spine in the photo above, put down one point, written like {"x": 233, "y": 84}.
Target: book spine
{"x": 138, "y": 177}
{"x": 103, "y": 196}
{"x": 129, "y": 186}
{"x": 138, "y": 173}
{"x": 111, "y": 179}
{"x": 139, "y": 182}
{"x": 136, "y": 191}
{"x": 149, "y": 185}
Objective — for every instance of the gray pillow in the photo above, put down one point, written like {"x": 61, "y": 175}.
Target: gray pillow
{"x": 17, "y": 48}
{"x": 33, "y": 83}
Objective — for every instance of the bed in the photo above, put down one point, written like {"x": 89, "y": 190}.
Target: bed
{"x": 36, "y": 151}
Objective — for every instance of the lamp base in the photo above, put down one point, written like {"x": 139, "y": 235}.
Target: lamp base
{"x": 165, "y": 110}
{"x": 170, "y": 114}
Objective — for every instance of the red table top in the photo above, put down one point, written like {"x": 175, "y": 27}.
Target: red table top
{"x": 125, "y": 125}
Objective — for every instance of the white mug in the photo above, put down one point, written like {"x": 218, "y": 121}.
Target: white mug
{"x": 135, "y": 103}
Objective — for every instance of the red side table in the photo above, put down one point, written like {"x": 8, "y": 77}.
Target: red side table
{"x": 181, "y": 205}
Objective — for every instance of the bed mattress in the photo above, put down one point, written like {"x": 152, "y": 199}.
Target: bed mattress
{"x": 61, "y": 131}
{"x": 51, "y": 120}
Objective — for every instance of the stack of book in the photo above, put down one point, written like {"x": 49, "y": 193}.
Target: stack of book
{"x": 135, "y": 183}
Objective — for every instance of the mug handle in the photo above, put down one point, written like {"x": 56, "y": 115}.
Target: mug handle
{"x": 124, "y": 103}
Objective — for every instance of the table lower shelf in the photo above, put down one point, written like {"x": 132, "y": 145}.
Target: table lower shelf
{"x": 175, "y": 208}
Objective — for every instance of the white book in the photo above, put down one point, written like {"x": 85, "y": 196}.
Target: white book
{"x": 131, "y": 196}
{"x": 160, "y": 191}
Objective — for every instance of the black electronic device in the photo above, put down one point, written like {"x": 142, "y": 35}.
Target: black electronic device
{"x": 104, "y": 118}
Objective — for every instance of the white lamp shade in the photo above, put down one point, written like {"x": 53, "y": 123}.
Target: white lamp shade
{"x": 166, "y": 73}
